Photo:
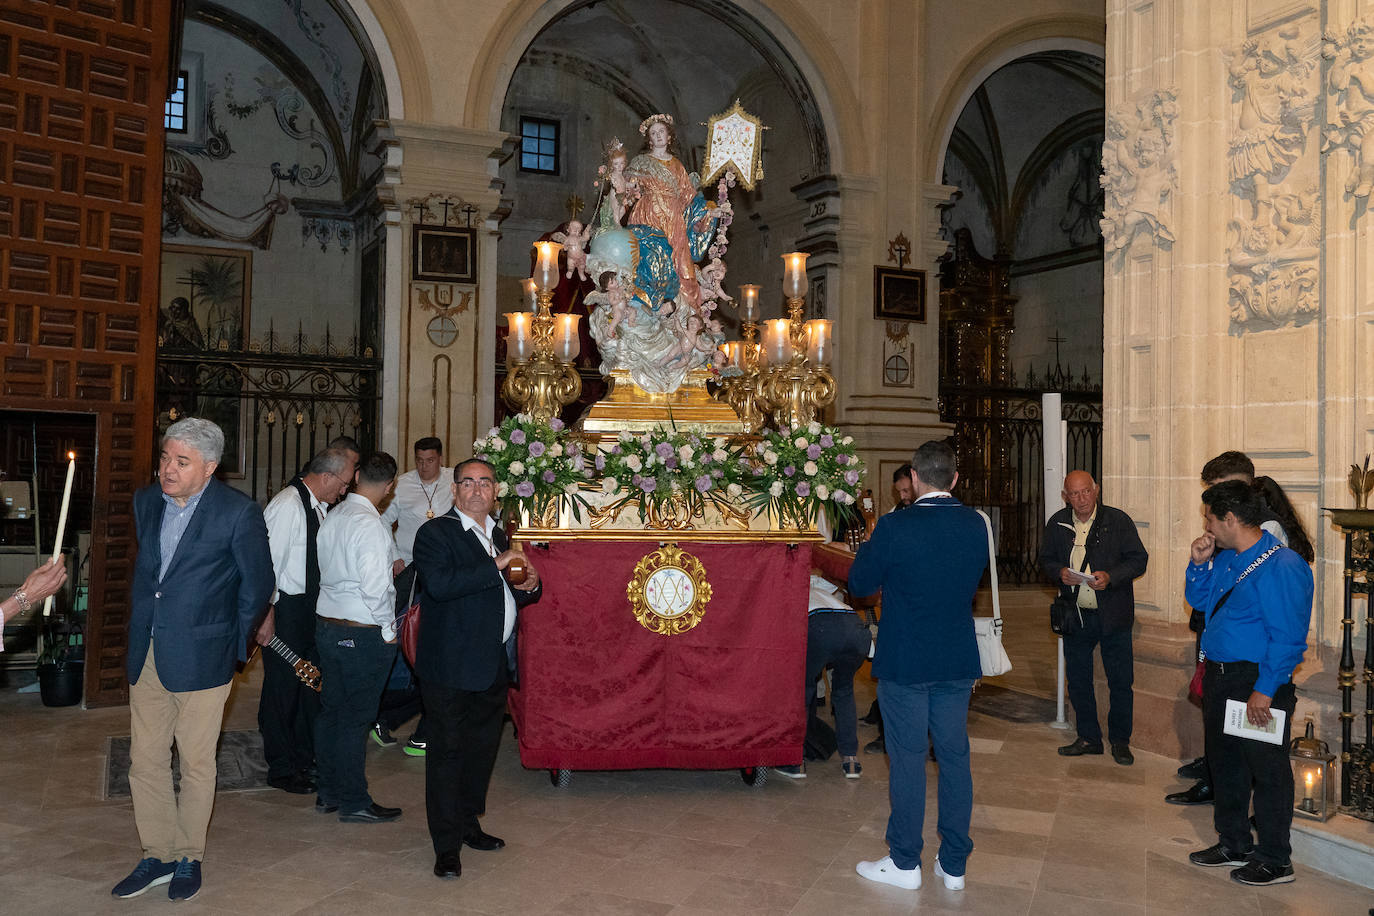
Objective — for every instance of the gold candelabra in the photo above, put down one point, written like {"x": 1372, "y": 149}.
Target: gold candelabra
{"x": 742, "y": 391}
{"x": 797, "y": 384}
{"x": 541, "y": 347}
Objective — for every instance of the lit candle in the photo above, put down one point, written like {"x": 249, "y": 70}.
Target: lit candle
{"x": 1307, "y": 796}
{"x": 61, "y": 523}
{"x": 794, "y": 274}
{"x": 518, "y": 340}
{"x": 819, "y": 339}
{"x": 567, "y": 343}
{"x": 749, "y": 302}
{"x": 531, "y": 293}
{"x": 777, "y": 341}
{"x": 546, "y": 266}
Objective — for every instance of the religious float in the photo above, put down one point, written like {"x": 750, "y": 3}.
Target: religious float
{"x": 673, "y": 524}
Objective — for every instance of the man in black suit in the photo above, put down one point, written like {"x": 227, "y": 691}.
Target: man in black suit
{"x": 466, "y": 657}
{"x": 201, "y": 583}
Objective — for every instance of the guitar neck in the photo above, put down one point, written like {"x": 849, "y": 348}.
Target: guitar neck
{"x": 282, "y": 649}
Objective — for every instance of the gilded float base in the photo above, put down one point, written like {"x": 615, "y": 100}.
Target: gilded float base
{"x": 629, "y": 408}
{"x": 673, "y": 522}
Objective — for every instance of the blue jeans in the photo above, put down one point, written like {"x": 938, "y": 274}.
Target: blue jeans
{"x": 354, "y": 662}
{"x": 839, "y": 639}
{"x": 910, "y": 712}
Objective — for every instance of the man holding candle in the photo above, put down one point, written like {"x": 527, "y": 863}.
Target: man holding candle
{"x": 1256, "y": 596}
{"x": 43, "y": 582}
{"x": 202, "y": 580}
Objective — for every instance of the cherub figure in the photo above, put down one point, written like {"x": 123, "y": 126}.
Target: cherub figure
{"x": 687, "y": 342}
{"x": 1351, "y": 78}
{"x": 710, "y": 278}
{"x": 574, "y": 243}
{"x": 621, "y": 308}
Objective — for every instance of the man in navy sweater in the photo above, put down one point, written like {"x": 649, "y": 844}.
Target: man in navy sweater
{"x": 927, "y": 560}
{"x": 1257, "y": 598}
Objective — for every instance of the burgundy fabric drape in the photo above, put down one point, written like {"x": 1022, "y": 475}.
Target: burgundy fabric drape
{"x": 600, "y": 692}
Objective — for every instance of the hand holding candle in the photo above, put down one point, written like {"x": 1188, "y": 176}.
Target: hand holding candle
{"x": 61, "y": 523}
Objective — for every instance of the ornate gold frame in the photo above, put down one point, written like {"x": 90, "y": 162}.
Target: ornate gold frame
{"x": 714, "y": 168}
{"x": 668, "y": 556}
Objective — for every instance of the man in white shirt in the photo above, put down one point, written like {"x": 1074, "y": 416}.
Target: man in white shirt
{"x": 421, "y": 494}
{"x": 355, "y": 629}
{"x": 287, "y": 708}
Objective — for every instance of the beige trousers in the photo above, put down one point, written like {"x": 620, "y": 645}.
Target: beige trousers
{"x": 172, "y": 826}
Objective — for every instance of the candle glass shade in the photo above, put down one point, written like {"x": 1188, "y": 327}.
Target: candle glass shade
{"x": 777, "y": 342}
{"x": 546, "y": 265}
{"x": 819, "y": 341}
{"x": 749, "y": 302}
{"x": 518, "y": 342}
{"x": 567, "y": 341}
{"x": 794, "y": 274}
{"x": 531, "y": 293}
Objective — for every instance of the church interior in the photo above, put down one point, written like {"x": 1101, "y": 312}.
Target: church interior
{"x": 306, "y": 219}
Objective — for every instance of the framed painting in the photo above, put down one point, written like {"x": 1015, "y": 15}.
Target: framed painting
{"x": 899, "y": 295}
{"x": 204, "y": 299}
{"x": 443, "y": 254}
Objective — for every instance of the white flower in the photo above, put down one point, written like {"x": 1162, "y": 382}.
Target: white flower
{"x": 633, "y": 463}
{"x": 775, "y": 489}
{"x": 522, "y": 418}
{"x": 555, "y": 450}
{"x": 822, "y": 492}
{"x": 734, "y": 490}
{"x": 810, "y": 469}
{"x": 625, "y": 437}
{"x": 847, "y": 440}
{"x": 813, "y": 428}
{"x": 609, "y": 485}
{"x": 517, "y": 468}
{"x": 770, "y": 457}
{"x": 800, "y": 442}
{"x": 570, "y": 488}
{"x": 494, "y": 431}
{"x": 502, "y": 488}
{"x": 685, "y": 453}
{"x": 479, "y": 445}
{"x": 720, "y": 454}
{"x": 497, "y": 444}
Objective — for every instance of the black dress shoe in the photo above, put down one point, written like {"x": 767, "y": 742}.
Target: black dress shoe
{"x": 446, "y": 864}
{"x": 323, "y": 808}
{"x": 1121, "y": 753}
{"x": 295, "y": 783}
{"x": 372, "y": 814}
{"x": 1199, "y": 794}
{"x": 483, "y": 841}
{"x": 1195, "y": 770}
{"x": 877, "y": 746}
{"x": 1079, "y": 748}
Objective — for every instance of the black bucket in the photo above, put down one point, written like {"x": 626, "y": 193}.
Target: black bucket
{"x": 61, "y": 684}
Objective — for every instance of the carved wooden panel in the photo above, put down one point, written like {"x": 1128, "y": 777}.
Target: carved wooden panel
{"x": 81, "y": 92}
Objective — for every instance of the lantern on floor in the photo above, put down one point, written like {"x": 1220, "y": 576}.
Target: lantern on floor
{"x": 1314, "y": 776}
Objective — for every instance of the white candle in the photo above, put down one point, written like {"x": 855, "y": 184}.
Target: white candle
{"x": 518, "y": 341}
{"x": 794, "y": 274}
{"x": 61, "y": 523}
{"x": 546, "y": 265}
{"x": 567, "y": 342}
{"x": 749, "y": 303}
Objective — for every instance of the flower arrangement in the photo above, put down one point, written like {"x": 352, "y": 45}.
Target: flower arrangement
{"x": 665, "y": 466}
{"x": 798, "y": 472}
{"x": 538, "y": 465}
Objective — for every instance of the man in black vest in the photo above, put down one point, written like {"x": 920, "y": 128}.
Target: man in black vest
{"x": 466, "y": 657}
{"x": 287, "y": 709}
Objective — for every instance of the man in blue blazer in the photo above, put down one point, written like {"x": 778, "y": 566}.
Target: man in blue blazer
{"x": 466, "y": 657}
{"x": 927, "y": 560}
{"x": 201, "y": 583}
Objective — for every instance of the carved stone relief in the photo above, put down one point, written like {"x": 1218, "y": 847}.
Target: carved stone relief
{"x": 1350, "y": 101}
{"x": 1138, "y": 173}
{"x": 1273, "y": 244}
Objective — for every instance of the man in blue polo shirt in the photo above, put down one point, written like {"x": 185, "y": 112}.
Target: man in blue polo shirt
{"x": 1257, "y": 598}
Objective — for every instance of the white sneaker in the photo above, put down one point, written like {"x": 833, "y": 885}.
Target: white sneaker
{"x": 952, "y": 882}
{"x": 884, "y": 872}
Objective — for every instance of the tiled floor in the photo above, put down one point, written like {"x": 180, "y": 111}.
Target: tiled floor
{"x": 1052, "y": 835}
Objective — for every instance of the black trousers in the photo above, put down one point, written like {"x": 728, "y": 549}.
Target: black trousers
{"x": 1119, "y": 664}
{"x": 463, "y": 731}
{"x": 1242, "y": 767}
{"x": 288, "y": 708}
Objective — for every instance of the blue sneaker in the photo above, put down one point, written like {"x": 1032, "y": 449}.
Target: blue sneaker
{"x": 147, "y": 873}
{"x": 185, "y": 880}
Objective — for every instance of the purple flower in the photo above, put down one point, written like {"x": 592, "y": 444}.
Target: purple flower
{"x": 705, "y": 457}
{"x": 670, "y": 463}
{"x": 803, "y": 489}
{"x": 813, "y": 451}
{"x": 717, "y": 473}
{"x": 758, "y": 472}
{"x": 550, "y": 476}
{"x": 537, "y": 448}
{"x": 555, "y": 424}
{"x": 600, "y": 462}
{"x": 827, "y": 441}
{"x": 851, "y": 476}
{"x": 615, "y": 450}
{"x": 648, "y": 484}
{"x": 703, "y": 483}
{"x": 789, "y": 470}
{"x": 841, "y": 459}
{"x": 517, "y": 436}
{"x": 524, "y": 489}
{"x": 664, "y": 450}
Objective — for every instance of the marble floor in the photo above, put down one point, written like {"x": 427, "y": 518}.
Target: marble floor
{"x": 1052, "y": 835}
